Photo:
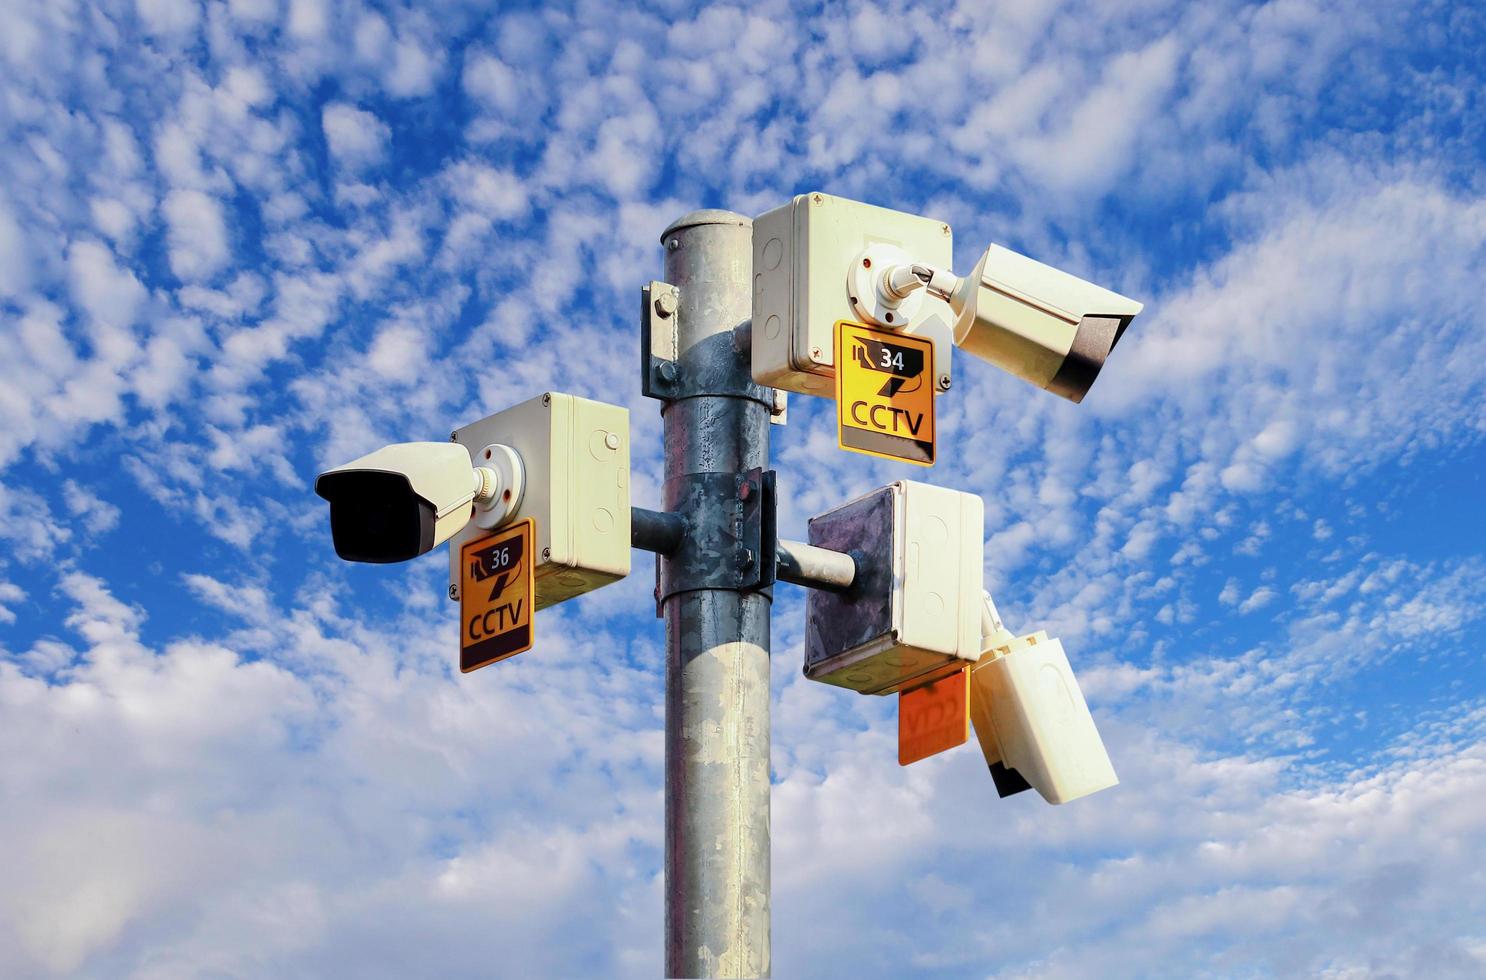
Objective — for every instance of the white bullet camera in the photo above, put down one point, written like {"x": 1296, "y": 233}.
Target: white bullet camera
{"x": 403, "y": 500}
{"x": 1032, "y": 722}
{"x": 1036, "y": 322}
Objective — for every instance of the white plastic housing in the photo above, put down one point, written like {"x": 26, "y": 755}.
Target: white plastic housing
{"x": 1030, "y": 715}
{"x": 804, "y": 254}
{"x": 916, "y": 612}
{"x": 576, "y": 468}
{"x": 1037, "y": 322}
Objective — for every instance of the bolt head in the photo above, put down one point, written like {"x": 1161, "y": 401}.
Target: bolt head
{"x": 454, "y": 592}
{"x": 815, "y": 354}
{"x": 667, "y": 371}
{"x": 944, "y": 382}
{"x": 665, "y": 303}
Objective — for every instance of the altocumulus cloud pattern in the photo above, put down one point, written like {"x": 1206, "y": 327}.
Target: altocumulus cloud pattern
{"x": 244, "y": 240}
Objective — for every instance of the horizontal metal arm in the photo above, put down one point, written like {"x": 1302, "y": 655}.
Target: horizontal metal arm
{"x": 816, "y": 568}
{"x": 797, "y": 562}
{"x": 657, "y": 531}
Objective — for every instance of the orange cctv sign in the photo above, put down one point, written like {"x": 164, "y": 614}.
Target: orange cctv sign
{"x": 496, "y": 591}
{"x": 933, "y": 718}
{"x": 884, "y": 393}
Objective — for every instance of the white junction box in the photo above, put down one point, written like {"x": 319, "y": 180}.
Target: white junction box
{"x": 1031, "y": 717}
{"x": 805, "y": 259}
{"x": 575, "y": 483}
{"x": 914, "y": 613}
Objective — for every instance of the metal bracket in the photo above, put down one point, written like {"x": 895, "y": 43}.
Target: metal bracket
{"x": 768, "y": 532}
{"x": 719, "y": 365}
{"x": 660, "y": 307}
{"x": 726, "y": 545}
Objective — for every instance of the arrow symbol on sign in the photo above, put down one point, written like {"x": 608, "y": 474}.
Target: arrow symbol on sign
{"x": 895, "y": 386}
{"x": 500, "y": 584}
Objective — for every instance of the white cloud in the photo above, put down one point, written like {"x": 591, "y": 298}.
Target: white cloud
{"x": 398, "y": 353}
{"x": 178, "y": 155}
{"x": 220, "y": 743}
{"x": 372, "y": 40}
{"x": 413, "y": 70}
{"x": 113, "y": 218}
{"x": 248, "y": 86}
{"x": 10, "y": 595}
{"x": 1188, "y": 866}
{"x": 1260, "y": 598}
{"x": 254, "y": 10}
{"x": 493, "y": 83}
{"x": 1229, "y": 595}
{"x": 497, "y": 194}
{"x": 15, "y": 261}
{"x": 357, "y": 138}
{"x": 197, "y": 232}
{"x": 109, "y": 294}
{"x": 27, "y": 525}
{"x": 168, "y": 16}
{"x": 95, "y": 514}
{"x": 1095, "y": 142}
{"x": 307, "y": 20}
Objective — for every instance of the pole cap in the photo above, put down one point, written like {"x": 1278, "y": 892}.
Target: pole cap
{"x": 706, "y": 216}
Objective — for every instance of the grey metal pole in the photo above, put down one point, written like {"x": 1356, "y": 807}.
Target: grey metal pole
{"x": 717, "y": 639}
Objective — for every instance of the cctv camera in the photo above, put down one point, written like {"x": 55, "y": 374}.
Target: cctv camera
{"x": 403, "y": 500}
{"x": 1032, "y": 722}
{"x": 1039, "y": 323}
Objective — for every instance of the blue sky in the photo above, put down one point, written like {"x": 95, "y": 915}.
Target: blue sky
{"x": 246, "y": 240}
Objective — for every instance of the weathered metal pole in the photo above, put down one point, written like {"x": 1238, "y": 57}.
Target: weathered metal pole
{"x": 717, "y": 638}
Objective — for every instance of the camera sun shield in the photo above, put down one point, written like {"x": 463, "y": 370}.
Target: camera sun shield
{"x": 399, "y": 502}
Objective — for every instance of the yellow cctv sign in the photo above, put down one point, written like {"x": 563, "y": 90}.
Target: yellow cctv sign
{"x": 884, "y": 393}
{"x": 496, "y": 591}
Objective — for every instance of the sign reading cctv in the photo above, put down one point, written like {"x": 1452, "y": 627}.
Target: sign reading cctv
{"x": 496, "y": 592}
{"x": 933, "y": 718}
{"x": 884, "y": 393}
